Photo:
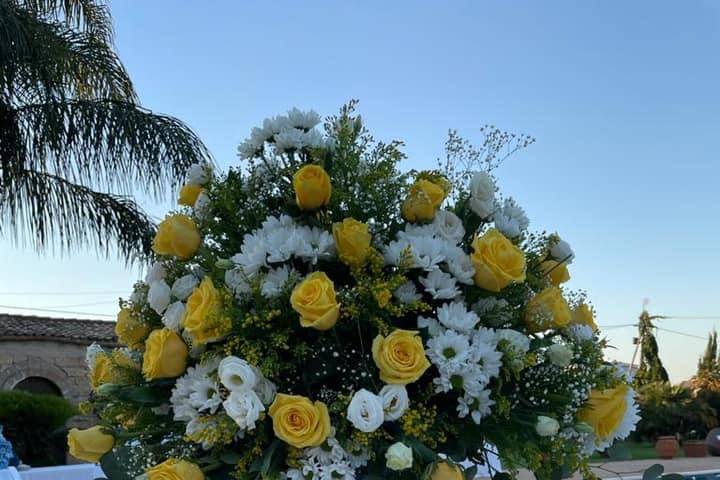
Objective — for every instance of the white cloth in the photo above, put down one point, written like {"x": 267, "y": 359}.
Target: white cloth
{"x": 485, "y": 471}
{"x": 83, "y": 471}
{"x": 9, "y": 474}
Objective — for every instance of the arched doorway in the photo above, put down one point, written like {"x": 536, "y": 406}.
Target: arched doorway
{"x": 38, "y": 385}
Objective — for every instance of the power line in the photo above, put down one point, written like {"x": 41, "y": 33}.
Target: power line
{"x": 115, "y": 292}
{"x": 681, "y": 333}
{"x": 607, "y": 327}
{"x": 90, "y": 304}
{"x": 680, "y": 317}
{"x": 52, "y": 310}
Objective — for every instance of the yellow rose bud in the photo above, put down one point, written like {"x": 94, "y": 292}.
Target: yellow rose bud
{"x": 583, "y": 315}
{"x": 547, "y": 309}
{"x": 89, "y": 444}
{"x": 165, "y": 355}
{"x": 314, "y": 299}
{"x": 312, "y": 187}
{"x": 102, "y": 371}
{"x": 129, "y": 329}
{"x": 605, "y": 410}
{"x": 189, "y": 194}
{"x": 352, "y": 240}
{"x": 299, "y": 422}
{"x": 446, "y": 471}
{"x": 174, "y": 469}
{"x": 423, "y": 200}
{"x": 177, "y": 235}
{"x": 203, "y": 320}
{"x": 400, "y": 357}
{"x": 557, "y": 272}
{"x": 497, "y": 262}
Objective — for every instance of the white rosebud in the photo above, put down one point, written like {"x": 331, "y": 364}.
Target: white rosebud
{"x": 157, "y": 272}
{"x": 365, "y": 411}
{"x": 482, "y": 194}
{"x": 546, "y": 426}
{"x": 398, "y": 457}
{"x": 173, "y": 316}
{"x": 237, "y": 374}
{"x": 244, "y": 408}
{"x": 201, "y": 205}
{"x": 560, "y": 355}
{"x": 198, "y": 174}
{"x": 184, "y": 286}
{"x": 562, "y": 252}
{"x": 395, "y": 401}
{"x": 447, "y": 225}
{"x": 159, "y": 296}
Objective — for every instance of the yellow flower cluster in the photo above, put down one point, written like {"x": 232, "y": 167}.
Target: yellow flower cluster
{"x": 215, "y": 430}
{"x": 419, "y": 422}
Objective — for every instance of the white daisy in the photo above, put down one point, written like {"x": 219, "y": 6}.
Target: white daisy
{"x": 510, "y": 219}
{"x": 407, "y": 293}
{"x": 440, "y": 285}
{"x": 276, "y": 280}
{"x": 454, "y": 315}
{"x": 460, "y": 265}
{"x": 448, "y": 348}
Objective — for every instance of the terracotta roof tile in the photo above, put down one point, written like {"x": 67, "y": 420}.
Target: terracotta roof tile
{"x": 70, "y": 330}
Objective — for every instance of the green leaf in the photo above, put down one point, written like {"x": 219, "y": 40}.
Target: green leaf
{"x": 269, "y": 462}
{"x": 231, "y": 458}
{"x": 502, "y": 476}
{"x": 653, "y": 472}
{"x": 470, "y": 473}
{"x": 112, "y": 467}
{"x": 422, "y": 451}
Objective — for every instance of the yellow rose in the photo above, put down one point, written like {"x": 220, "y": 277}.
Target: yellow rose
{"x": 174, "y": 469}
{"x": 102, "y": 371}
{"x": 203, "y": 320}
{"x": 605, "y": 410}
{"x": 446, "y": 471}
{"x": 423, "y": 200}
{"x": 189, "y": 194}
{"x": 314, "y": 299}
{"x": 583, "y": 315}
{"x": 299, "y": 422}
{"x": 129, "y": 330}
{"x": 497, "y": 262}
{"x": 352, "y": 240}
{"x": 177, "y": 235}
{"x": 312, "y": 187}
{"x": 400, "y": 357}
{"x": 556, "y": 271}
{"x": 89, "y": 444}
{"x": 547, "y": 309}
{"x": 165, "y": 355}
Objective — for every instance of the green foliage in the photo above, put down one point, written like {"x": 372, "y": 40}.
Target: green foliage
{"x": 34, "y": 424}
{"x": 708, "y": 363}
{"x": 651, "y": 368}
{"x": 71, "y": 133}
{"x": 670, "y": 409}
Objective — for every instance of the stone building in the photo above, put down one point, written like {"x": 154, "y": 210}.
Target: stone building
{"x": 47, "y": 355}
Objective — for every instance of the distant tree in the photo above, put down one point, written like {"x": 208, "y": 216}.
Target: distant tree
{"x": 74, "y": 143}
{"x": 708, "y": 363}
{"x": 651, "y": 369}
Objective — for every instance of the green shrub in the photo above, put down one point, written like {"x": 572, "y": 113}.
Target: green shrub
{"x": 671, "y": 409}
{"x": 35, "y": 425}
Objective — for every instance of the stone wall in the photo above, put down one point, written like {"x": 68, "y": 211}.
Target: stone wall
{"x": 62, "y": 363}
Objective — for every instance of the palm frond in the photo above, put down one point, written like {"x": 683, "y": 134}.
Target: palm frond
{"x": 87, "y": 15}
{"x": 109, "y": 145}
{"x": 44, "y": 209}
{"x": 41, "y": 61}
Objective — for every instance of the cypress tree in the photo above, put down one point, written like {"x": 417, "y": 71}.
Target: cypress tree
{"x": 651, "y": 368}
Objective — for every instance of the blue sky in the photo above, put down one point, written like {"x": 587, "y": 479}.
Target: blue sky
{"x": 621, "y": 96}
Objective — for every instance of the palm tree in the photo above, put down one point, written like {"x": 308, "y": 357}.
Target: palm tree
{"x": 74, "y": 143}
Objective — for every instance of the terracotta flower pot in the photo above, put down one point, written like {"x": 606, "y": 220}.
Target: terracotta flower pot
{"x": 667, "y": 447}
{"x": 695, "y": 448}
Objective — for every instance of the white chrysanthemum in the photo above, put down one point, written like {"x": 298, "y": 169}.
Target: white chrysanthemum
{"x": 397, "y": 251}
{"x": 440, "y": 285}
{"x": 244, "y": 408}
{"x": 198, "y": 174}
{"x": 433, "y": 326}
{"x": 159, "y": 296}
{"x": 517, "y": 340}
{"x": 489, "y": 359}
{"x": 562, "y": 252}
{"x": 331, "y": 463}
{"x": 184, "y": 286}
{"x": 290, "y": 139}
{"x": 365, "y": 411}
{"x": 236, "y": 374}
{"x": 314, "y": 139}
{"x": 205, "y": 395}
{"x": 237, "y": 282}
{"x": 304, "y": 120}
{"x": 448, "y": 226}
{"x": 276, "y": 280}
{"x": 173, "y": 316}
{"x": 477, "y": 407}
{"x": 510, "y": 219}
{"x": 428, "y": 252}
{"x": 184, "y": 410}
{"x": 580, "y": 333}
{"x": 482, "y": 194}
{"x": 448, "y": 348}
{"x": 156, "y": 272}
{"x": 460, "y": 265}
{"x": 407, "y": 293}
{"x": 454, "y": 315}
{"x": 395, "y": 401}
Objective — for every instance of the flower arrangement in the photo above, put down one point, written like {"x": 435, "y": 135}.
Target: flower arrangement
{"x": 319, "y": 314}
